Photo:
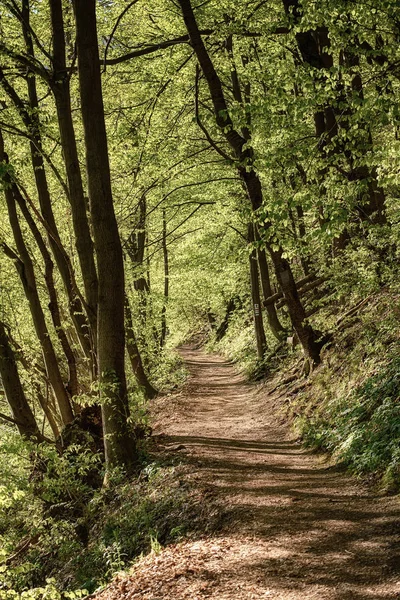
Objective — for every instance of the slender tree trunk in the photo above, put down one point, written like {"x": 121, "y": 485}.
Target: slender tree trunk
{"x": 255, "y": 297}
{"x": 307, "y": 336}
{"x": 272, "y": 316}
{"x": 20, "y": 409}
{"x": 30, "y": 118}
{"x": 273, "y": 320}
{"x": 135, "y": 247}
{"x": 24, "y": 265}
{"x": 49, "y": 407}
{"x": 166, "y": 282}
{"x": 120, "y": 447}
{"x": 48, "y": 411}
{"x": 73, "y": 386}
{"x": 134, "y": 355}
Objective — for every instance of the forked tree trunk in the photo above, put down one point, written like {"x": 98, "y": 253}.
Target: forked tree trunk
{"x": 119, "y": 443}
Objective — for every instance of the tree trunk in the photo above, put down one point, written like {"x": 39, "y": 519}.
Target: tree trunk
{"x": 20, "y": 409}
{"x": 24, "y": 266}
{"x": 307, "y": 336}
{"x": 83, "y": 240}
{"x": 134, "y": 355}
{"x": 135, "y": 247}
{"x": 166, "y": 282}
{"x": 73, "y": 386}
{"x": 48, "y": 411}
{"x": 49, "y": 407}
{"x": 255, "y": 297}
{"x": 120, "y": 447}
{"x": 30, "y": 118}
{"x": 273, "y": 321}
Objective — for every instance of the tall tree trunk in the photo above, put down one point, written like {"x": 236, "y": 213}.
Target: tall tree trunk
{"x": 119, "y": 443}
{"x": 48, "y": 405}
{"x": 135, "y": 247}
{"x": 255, "y": 297}
{"x": 31, "y": 120}
{"x": 20, "y": 409}
{"x": 245, "y": 158}
{"x": 61, "y": 89}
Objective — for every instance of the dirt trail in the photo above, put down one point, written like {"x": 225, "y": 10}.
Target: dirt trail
{"x": 293, "y": 529}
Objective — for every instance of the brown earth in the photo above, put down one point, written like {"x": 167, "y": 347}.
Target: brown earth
{"x": 294, "y": 528}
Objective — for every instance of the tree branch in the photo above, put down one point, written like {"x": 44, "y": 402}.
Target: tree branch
{"x": 119, "y": 19}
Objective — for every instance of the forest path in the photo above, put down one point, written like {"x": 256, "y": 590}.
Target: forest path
{"x": 293, "y": 529}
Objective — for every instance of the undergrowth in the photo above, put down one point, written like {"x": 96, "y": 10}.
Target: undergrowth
{"x": 82, "y": 549}
{"x": 351, "y": 407}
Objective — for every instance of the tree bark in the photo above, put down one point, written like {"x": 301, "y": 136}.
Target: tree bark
{"x": 306, "y": 334}
{"x": 63, "y": 262}
{"x": 31, "y": 120}
{"x": 20, "y": 409}
{"x": 273, "y": 320}
{"x": 120, "y": 447}
{"x": 166, "y": 282}
{"x": 255, "y": 297}
{"x": 134, "y": 355}
{"x": 60, "y": 85}
{"x": 73, "y": 386}
{"x": 24, "y": 266}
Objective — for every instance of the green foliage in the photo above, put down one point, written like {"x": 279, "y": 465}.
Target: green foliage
{"x": 49, "y": 591}
{"x": 80, "y": 536}
{"x": 352, "y": 409}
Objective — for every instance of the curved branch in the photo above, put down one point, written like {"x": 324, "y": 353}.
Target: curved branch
{"x": 122, "y": 14}
{"x": 150, "y": 48}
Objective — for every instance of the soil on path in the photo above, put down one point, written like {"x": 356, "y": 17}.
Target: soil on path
{"x": 293, "y": 528}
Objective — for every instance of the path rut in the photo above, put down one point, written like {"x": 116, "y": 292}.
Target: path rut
{"x": 293, "y": 527}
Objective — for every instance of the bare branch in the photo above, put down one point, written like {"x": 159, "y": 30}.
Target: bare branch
{"x": 123, "y": 13}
